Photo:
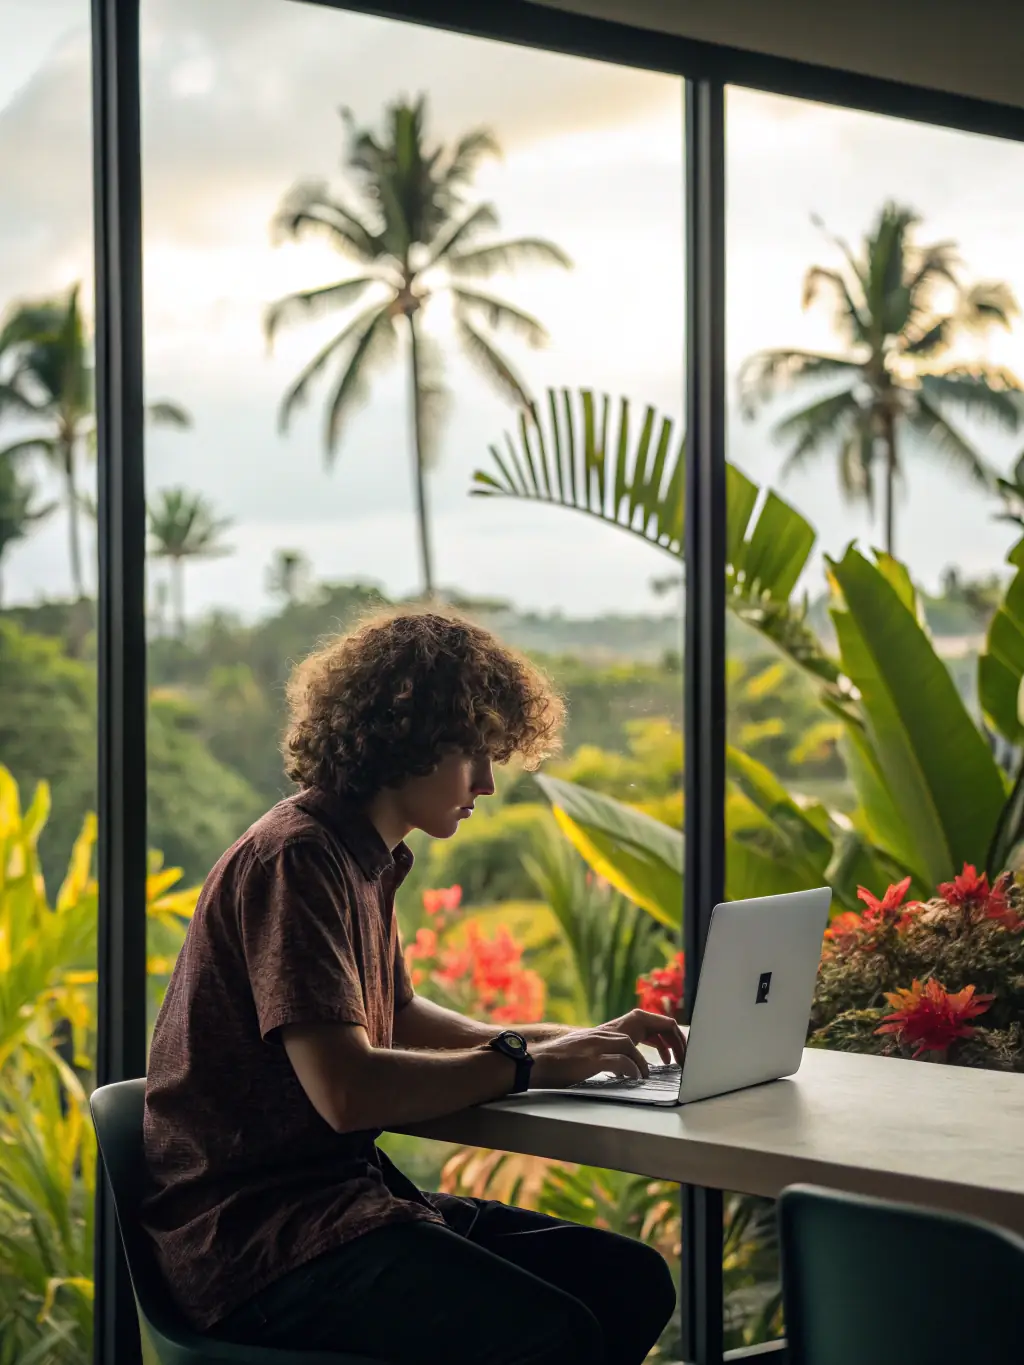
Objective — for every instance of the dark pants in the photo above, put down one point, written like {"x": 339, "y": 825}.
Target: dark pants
{"x": 510, "y": 1287}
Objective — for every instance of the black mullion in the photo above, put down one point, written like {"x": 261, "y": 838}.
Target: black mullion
{"x": 704, "y": 663}
{"x": 121, "y": 951}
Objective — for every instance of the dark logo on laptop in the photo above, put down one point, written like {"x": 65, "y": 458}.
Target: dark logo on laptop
{"x": 764, "y": 985}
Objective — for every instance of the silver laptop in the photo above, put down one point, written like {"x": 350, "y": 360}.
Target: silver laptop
{"x": 753, "y": 1003}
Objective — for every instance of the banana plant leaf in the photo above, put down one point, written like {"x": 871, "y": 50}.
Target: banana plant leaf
{"x": 931, "y": 792}
{"x": 583, "y": 452}
{"x": 1001, "y": 665}
{"x": 638, "y": 855}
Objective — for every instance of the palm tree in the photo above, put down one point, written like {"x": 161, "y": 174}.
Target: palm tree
{"x": 182, "y": 526}
{"x": 46, "y": 378}
{"x": 288, "y": 576}
{"x": 413, "y": 231}
{"x": 889, "y": 380}
{"x": 19, "y": 512}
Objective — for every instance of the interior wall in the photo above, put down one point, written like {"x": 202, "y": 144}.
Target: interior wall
{"x": 949, "y": 45}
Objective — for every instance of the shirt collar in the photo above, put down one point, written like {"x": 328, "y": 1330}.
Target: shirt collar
{"x": 358, "y": 833}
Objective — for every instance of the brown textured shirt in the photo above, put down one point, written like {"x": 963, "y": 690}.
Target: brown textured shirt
{"x": 295, "y": 925}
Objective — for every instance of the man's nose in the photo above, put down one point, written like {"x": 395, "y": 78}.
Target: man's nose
{"x": 483, "y": 780}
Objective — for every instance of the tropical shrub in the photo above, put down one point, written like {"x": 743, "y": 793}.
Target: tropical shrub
{"x": 47, "y": 1042}
{"x": 940, "y": 979}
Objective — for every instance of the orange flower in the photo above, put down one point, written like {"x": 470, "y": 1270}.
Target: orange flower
{"x": 524, "y": 1000}
{"x": 445, "y": 899}
{"x": 661, "y": 990}
{"x": 845, "y": 930}
{"x": 929, "y": 1019}
{"x": 424, "y": 946}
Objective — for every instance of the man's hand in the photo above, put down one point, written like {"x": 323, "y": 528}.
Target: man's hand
{"x": 613, "y": 1047}
{"x": 656, "y": 1030}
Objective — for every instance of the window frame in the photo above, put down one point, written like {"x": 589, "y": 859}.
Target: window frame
{"x": 707, "y": 70}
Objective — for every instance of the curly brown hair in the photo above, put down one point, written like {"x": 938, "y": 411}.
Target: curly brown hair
{"x": 387, "y": 701}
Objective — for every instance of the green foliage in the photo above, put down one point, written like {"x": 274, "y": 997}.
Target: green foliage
{"x": 580, "y": 456}
{"x": 197, "y": 806}
{"x": 609, "y": 940}
{"x": 47, "y": 1150}
{"x": 930, "y": 791}
{"x": 47, "y": 1182}
{"x": 486, "y": 860}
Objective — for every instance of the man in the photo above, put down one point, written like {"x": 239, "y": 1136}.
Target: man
{"x": 290, "y": 1037}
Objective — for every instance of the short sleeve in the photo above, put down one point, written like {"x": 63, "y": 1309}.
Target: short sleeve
{"x": 297, "y": 937}
{"x": 404, "y": 992}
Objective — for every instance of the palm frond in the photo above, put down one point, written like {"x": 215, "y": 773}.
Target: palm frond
{"x": 938, "y": 435}
{"x": 857, "y": 458}
{"x": 581, "y": 452}
{"x": 484, "y": 261}
{"x": 767, "y": 374}
{"x": 33, "y": 445}
{"x": 852, "y": 320}
{"x": 989, "y": 303}
{"x": 373, "y": 344}
{"x": 825, "y": 423}
{"x": 459, "y": 236}
{"x": 475, "y": 146}
{"x": 500, "y": 314}
{"x": 985, "y": 393}
{"x": 935, "y": 338}
{"x": 313, "y": 303}
{"x": 491, "y": 363}
{"x": 166, "y": 414}
{"x": 298, "y": 391}
{"x": 309, "y": 207}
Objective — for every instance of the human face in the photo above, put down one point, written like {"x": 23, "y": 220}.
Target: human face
{"x": 438, "y": 803}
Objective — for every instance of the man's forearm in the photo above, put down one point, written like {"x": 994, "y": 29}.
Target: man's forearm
{"x": 388, "y": 1088}
{"x": 424, "y": 1024}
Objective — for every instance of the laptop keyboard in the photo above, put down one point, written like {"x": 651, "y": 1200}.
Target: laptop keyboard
{"x": 661, "y": 1083}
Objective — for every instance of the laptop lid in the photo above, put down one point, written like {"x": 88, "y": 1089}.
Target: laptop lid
{"x": 754, "y": 995}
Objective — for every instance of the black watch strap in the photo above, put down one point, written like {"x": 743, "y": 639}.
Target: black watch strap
{"x": 513, "y": 1046}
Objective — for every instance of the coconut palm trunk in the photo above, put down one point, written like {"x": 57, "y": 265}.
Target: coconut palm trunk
{"x": 891, "y": 466}
{"x": 178, "y": 595}
{"x": 67, "y": 466}
{"x": 419, "y": 463}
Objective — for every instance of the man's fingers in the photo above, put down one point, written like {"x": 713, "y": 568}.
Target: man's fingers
{"x": 620, "y": 1065}
{"x": 622, "y": 1043}
{"x": 664, "y": 1052}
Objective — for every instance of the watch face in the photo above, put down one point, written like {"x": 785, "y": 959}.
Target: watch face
{"x": 513, "y": 1041}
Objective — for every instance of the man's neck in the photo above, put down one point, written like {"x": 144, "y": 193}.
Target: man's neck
{"x": 383, "y": 813}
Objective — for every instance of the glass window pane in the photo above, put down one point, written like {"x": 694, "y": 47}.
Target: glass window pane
{"x": 875, "y": 355}
{"x": 286, "y": 509}
{"x": 47, "y": 682}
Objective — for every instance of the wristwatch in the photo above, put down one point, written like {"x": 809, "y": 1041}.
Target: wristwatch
{"x": 513, "y": 1045}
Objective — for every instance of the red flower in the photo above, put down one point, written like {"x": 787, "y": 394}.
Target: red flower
{"x": 883, "y": 911}
{"x": 661, "y": 990}
{"x": 928, "y": 1018}
{"x": 972, "y": 895}
{"x": 446, "y": 899}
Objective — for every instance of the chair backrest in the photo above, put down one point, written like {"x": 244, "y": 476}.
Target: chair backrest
{"x": 117, "y": 1112}
{"x": 867, "y": 1282}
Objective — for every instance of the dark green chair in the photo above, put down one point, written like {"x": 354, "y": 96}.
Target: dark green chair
{"x": 166, "y": 1339}
{"x": 872, "y": 1283}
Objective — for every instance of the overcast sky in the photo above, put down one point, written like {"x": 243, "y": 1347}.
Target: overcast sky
{"x": 241, "y": 100}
